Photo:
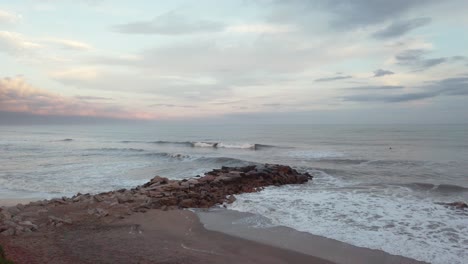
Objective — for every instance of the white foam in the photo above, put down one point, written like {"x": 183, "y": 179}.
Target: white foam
{"x": 204, "y": 145}
{"x": 237, "y": 146}
{"x": 389, "y": 220}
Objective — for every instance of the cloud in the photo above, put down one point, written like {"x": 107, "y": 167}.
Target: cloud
{"x": 377, "y": 87}
{"x": 170, "y": 23}
{"x": 357, "y": 13}
{"x": 8, "y": 18}
{"x": 380, "y": 73}
{"x": 16, "y": 44}
{"x": 336, "y": 78}
{"x": 389, "y": 98}
{"x": 260, "y": 28}
{"x": 344, "y": 14}
{"x": 457, "y": 86}
{"x": 173, "y": 105}
{"x": 416, "y": 58}
{"x": 399, "y": 28}
{"x": 16, "y": 95}
{"x": 69, "y": 44}
{"x": 92, "y": 98}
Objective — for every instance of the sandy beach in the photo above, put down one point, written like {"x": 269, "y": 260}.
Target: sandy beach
{"x": 153, "y": 237}
{"x": 154, "y": 223}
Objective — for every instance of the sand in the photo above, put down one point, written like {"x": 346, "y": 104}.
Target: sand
{"x": 238, "y": 224}
{"x": 156, "y": 236}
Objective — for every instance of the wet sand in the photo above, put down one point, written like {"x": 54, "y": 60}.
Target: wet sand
{"x": 243, "y": 225}
{"x": 156, "y": 236}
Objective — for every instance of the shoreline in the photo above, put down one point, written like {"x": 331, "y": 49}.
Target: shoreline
{"x": 85, "y": 228}
{"x": 245, "y": 225}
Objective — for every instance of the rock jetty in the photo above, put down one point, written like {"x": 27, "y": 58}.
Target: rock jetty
{"x": 214, "y": 188}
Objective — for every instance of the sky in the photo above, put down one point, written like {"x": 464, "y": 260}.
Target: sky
{"x": 322, "y": 61}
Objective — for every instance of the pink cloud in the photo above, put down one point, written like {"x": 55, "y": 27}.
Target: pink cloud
{"x": 16, "y": 95}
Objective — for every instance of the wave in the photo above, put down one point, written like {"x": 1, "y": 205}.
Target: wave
{"x": 345, "y": 161}
{"x": 117, "y": 149}
{"x": 66, "y": 140}
{"x": 444, "y": 188}
{"x": 224, "y": 161}
{"x": 205, "y": 144}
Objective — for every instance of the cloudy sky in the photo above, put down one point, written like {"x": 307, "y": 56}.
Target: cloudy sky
{"x": 317, "y": 61}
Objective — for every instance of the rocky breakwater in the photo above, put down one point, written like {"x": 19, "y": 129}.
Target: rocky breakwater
{"x": 215, "y": 187}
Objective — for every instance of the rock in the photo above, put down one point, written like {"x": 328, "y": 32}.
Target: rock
{"x": 8, "y": 232}
{"x": 231, "y": 199}
{"x": 56, "y": 220}
{"x": 187, "y": 203}
{"x": 98, "y": 212}
{"x": 457, "y": 205}
{"x": 5, "y": 215}
{"x": 98, "y": 198}
{"x": 13, "y": 210}
{"x": 29, "y": 225}
{"x": 125, "y": 197}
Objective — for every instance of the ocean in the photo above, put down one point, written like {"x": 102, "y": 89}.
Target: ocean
{"x": 374, "y": 186}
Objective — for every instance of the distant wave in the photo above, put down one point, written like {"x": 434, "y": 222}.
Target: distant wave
{"x": 66, "y": 140}
{"x": 116, "y": 149}
{"x": 444, "y": 188}
{"x": 396, "y": 162}
{"x": 344, "y": 161}
{"x": 224, "y": 161}
{"x": 203, "y": 144}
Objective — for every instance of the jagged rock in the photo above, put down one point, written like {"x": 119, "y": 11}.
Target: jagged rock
{"x": 187, "y": 203}
{"x": 231, "y": 199}
{"x": 99, "y": 212}
{"x": 98, "y": 198}
{"x": 57, "y": 221}
{"x": 125, "y": 197}
{"x": 13, "y": 210}
{"x": 8, "y": 232}
{"x": 29, "y": 225}
{"x": 457, "y": 205}
{"x": 216, "y": 187}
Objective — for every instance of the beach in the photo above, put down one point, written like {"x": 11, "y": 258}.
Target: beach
{"x": 147, "y": 225}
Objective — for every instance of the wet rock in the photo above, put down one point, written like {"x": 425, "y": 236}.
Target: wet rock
{"x": 457, "y": 205}
{"x": 231, "y": 199}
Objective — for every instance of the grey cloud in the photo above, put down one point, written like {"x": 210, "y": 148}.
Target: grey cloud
{"x": 401, "y": 27}
{"x": 377, "y": 87}
{"x": 416, "y": 58}
{"x": 368, "y": 12}
{"x": 457, "y": 86}
{"x": 389, "y": 98}
{"x": 170, "y": 23}
{"x": 381, "y": 72}
{"x": 329, "y": 79}
{"x": 346, "y": 14}
{"x": 428, "y": 63}
{"x": 173, "y": 105}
